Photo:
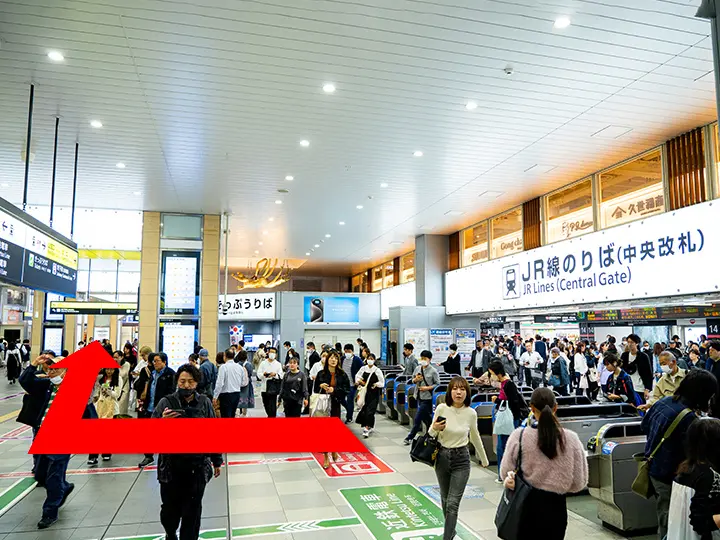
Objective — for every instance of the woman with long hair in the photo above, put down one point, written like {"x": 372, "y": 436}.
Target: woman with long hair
{"x": 109, "y": 387}
{"x": 371, "y": 377}
{"x": 553, "y": 463}
{"x": 125, "y": 368}
{"x": 696, "y": 488}
{"x": 455, "y": 425}
{"x": 13, "y": 361}
{"x": 333, "y": 381}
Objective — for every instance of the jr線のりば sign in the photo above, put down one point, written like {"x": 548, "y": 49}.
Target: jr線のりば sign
{"x": 675, "y": 253}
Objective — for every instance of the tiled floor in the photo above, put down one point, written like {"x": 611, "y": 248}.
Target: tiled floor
{"x": 121, "y": 505}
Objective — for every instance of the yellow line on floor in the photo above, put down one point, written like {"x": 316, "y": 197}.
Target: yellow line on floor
{"x": 9, "y": 416}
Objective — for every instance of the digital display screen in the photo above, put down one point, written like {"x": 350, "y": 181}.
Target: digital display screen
{"x": 53, "y": 339}
{"x": 332, "y": 310}
{"x": 93, "y": 308}
{"x": 180, "y": 283}
{"x": 177, "y": 340}
{"x": 50, "y": 315}
{"x": 608, "y": 315}
{"x": 639, "y": 314}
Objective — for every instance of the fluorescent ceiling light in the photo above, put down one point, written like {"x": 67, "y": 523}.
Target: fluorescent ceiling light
{"x": 137, "y": 193}
{"x": 562, "y": 22}
{"x": 307, "y": 254}
{"x": 289, "y": 178}
{"x": 56, "y": 56}
{"x": 328, "y": 88}
{"x": 120, "y": 165}
{"x": 278, "y": 201}
{"x": 454, "y": 213}
{"x": 540, "y": 169}
{"x": 359, "y": 207}
{"x": 383, "y": 185}
{"x": 96, "y": 123}
{"x": 317, "y": 246}
{"x": 341, "y": 223}
{"x": 327, "y": 236}
{"x": 490, "y": 194}
{"x": 471, "y": 105}
{"x": 304, "y": 143}
{"x": 418, "y": 153}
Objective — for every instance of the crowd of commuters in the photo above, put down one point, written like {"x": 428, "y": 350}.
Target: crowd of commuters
{"x": 667, "y": 383}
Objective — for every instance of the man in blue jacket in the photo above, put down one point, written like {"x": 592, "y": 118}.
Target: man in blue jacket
{"x": 351, "y": 365}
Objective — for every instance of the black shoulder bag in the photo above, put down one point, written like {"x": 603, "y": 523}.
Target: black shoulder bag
{"x": 512, "y": 503}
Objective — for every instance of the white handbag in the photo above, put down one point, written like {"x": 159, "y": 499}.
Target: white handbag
{"x": 319, "y": 405}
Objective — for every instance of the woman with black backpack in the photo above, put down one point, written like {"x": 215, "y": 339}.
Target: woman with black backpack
{"x": 294, "y": 390}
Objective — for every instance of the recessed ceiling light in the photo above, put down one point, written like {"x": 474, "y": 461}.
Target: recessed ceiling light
{"x": 418, "y": 153}
{"x": 260, "y": 243}
{"x": 327, "y": 236}
{"x": 454, "y": 213}
{"x": 471, "y": 105}
{"x": 304, "y": 143}
{"x": 278, "y": 201}
{"x": 137, "y": 193}
{"x": 562, "y": 22}
{"x": 256, "y": 252}
{"x": 359, "y": 207}
{"x": 342, "y": 223}
{"x": 56, "y": 56}
{"x": 383, "y": 185}
{"x": 328, "y": 88}
{"x": 271, "y": 219}
{"x": 96, "y": 123}
{"x": 120, "y": 165}
{"x": 307, "y": 254}
{"x": 289, "y": 178}
{"x": 265, "y": 233}
{"x": 317, "y": 246}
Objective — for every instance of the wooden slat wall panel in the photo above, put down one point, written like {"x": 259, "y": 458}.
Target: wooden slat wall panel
{"x": 531, "y": 224}
{"x": 686, "y": 169}
{"x": 396, "y": 271}
{"x": 454, "y": 251}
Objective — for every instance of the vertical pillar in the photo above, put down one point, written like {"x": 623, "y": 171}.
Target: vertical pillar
{"x": 114, "y": 331}
{"x": 36, "y": 335}
{"x": 149, "y": 280}
{"x": 69, "y": 342}
{"x": 90, "y": 329}
{"x": 210, "y": 288}
{"x": 710, "y": 9}
{"x": 431, "y": 263}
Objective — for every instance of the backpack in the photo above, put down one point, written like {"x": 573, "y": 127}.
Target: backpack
{"x": 245, "y": 377}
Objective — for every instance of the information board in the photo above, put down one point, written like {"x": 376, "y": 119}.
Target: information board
{"x": 53, "y": 339}
{"x": 179, "y": 284}
{"x": 465, "y": 339}
{"x": 93, "y": 308}
{"x": 418, "y": 338}
{"x": 177, "y": 340}
{"x": 440, "y": 341}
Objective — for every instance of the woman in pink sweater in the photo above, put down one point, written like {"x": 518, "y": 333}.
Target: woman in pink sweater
{"x": 553, "y": 462}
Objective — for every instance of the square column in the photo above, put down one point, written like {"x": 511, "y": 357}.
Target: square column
{"x": 431, "y": 263}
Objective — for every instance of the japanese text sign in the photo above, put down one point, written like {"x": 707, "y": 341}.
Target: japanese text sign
{"x": 675, "y": 253}
{"x": 247, "y": 307}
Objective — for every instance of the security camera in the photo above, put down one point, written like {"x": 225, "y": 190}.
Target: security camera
{"x": 509, "y": 71}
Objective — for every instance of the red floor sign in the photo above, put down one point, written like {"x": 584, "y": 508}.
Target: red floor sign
{"x": 353, "y": 464}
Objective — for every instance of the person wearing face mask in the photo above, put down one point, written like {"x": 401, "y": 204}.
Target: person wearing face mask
{"x": 183, "y": 477}
{"x": 351, "y": 364}
{"x": 558, "y": 376}
{"x": 475, "y": 368}
{"x": 312, "y": 356}
{"x": 690, "y": 401}
{"x": 270, "y": 374}
{"x": 232, "y": 377}
{"x": 637, "y": 364}
{"x": 410, "y": 361}
{"x": 451, "y": 366}
{"x": 371, "y": 378}
{"x": 425, "y": 378}
{"x": 294, "y": 390}
{"x": 669, "y": 382}
{"x": 41, "y": 381}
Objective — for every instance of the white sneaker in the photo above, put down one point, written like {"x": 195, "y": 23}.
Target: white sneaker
{"x": 366, "y": 433}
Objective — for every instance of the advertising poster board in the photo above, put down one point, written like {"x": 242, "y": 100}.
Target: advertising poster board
{"x": 440, "y": 341}
{"x": 418, "y": 337}
{"x": 465, "y": 339}
{"x": 331, "y": 310}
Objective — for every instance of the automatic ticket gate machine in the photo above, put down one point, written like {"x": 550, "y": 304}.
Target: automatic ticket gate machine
{"x": 612, "y": 472}
{"x": 390, "y": 390}
{"x": 586, "y": 420}
{"x": 400, "y": 399}
{"x": 388, "y": 394}
{"x": 389, "y": 372}
{"x": 483, "y": 405}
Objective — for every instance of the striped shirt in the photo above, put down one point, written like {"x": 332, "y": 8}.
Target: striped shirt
{"x": 52, "y": 397}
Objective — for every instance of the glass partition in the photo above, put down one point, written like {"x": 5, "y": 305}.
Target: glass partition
{"x": 570, "y": 211}
{"x": 632, "y": 191}
{"x": 377, "y": 278}
{"x": 475, "y": 244}
{"x": 407, "y": 268}
{"x": 507, "y": 233}
{"x": 389, "y": 278}
{"x": 359, "y": 283}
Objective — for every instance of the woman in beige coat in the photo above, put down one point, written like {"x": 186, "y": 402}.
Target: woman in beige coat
{"x": 124, "y": 397}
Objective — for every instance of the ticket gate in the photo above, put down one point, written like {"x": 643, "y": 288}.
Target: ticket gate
{"x": 389, "y": 396}
{"x": 586, "y": 420}
{"x": 612, "y": 472}
{"x": 572, "y": 400}
{"x": 400, "y": 398}
{"x": 389, "y": 372}
{"x": 484, "y": 410}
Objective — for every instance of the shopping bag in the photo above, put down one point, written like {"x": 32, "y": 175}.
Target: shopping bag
{"x": 319, "y": 405}
{"x": 504, "y": 420}
{"x": 360, "y": 396}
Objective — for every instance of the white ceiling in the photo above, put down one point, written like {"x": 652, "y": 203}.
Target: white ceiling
{"x": 206, "y": 105}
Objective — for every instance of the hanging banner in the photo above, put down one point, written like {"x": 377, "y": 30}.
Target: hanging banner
{"x": 236, "y": 333}
{"x": 440, "y": 341}
{"x": 418, "y": 338}
{"x": 630, "y": 261}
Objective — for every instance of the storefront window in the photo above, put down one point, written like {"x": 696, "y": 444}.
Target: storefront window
{"x": 475, "y": 244}
{"x": 377, "y": 278}
{"x": 507, "y": 232}
{"x": 359, "y": 283}
{"x": 632, "y": 191}
{"x": 407, "y": 268}
{"x": 389, "y": 279}
{"x": 570, "y": 212}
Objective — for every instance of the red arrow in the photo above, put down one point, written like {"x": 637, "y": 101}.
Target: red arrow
{"x": 65, "y": 432}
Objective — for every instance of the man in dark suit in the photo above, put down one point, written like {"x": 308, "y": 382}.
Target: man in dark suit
{"x": 313, "y": 357}
{"x": 475, "y": 365}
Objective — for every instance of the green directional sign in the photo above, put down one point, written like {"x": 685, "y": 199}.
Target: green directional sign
{"x": 400, "y": 512}
{"x": 293, "y": 527}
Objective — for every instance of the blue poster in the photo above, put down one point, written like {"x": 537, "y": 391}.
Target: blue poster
{"x": 384, "y": 340}
{"x": 332, "y": 310}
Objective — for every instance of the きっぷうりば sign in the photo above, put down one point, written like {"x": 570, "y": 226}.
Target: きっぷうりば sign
{"x": 676, "y": 253}
{"x": 247, "y": 307}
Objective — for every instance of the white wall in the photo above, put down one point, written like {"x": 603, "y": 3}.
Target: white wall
{"x": 320, "y": 336}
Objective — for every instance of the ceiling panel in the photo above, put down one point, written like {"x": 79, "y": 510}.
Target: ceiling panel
{"x": 206, "y": 104}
